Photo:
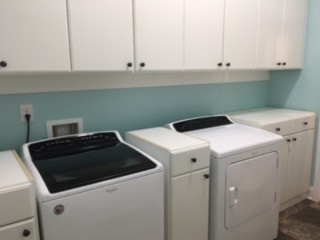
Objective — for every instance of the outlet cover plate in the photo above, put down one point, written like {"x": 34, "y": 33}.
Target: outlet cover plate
{"x": 26, "y": 109}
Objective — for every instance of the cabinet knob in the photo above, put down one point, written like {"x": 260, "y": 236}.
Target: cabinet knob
{"x": 129, "y": 64}
{"x": 194, "y": 160}
{"x": 228, "y": 64}
{"x": 305, "y": 123}
{"x": 288, "y": 140}
{"x": 279, "y": 63}
{"x": 284, "y": 64}
{"x": 294, "y": 139}
{"x": 142, "y": 64}
{"x": 220, "y": 64}
{"x": 3, "y": 64}
{"x": 278, "y": 129}
{"x": 26, "y": 233}
{"x": 206, "y": 176}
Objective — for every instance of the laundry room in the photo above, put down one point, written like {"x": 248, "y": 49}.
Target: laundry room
{"x": 159, "y": 119}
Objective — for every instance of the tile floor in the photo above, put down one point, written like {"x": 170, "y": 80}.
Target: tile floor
{"x": 300, "y": 222}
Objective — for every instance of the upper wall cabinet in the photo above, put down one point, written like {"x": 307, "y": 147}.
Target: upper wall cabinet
{"x": 159, "y": 34}
{"x": 33, "y": 36}
{"x": 294, "y": 28}
{"x": 281, "y": 34}
{"x": 101, "y": 34}
{"x": 240, "y": 39}
{"x": 203, "y": 34}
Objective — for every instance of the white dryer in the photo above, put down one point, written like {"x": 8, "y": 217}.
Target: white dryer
{"x": 244, "y": 187}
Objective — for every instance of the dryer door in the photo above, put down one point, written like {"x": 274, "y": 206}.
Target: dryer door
{"x": 250, "y": 188}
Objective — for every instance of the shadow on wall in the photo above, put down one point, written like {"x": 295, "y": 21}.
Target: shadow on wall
{"x": 282, "y": 86}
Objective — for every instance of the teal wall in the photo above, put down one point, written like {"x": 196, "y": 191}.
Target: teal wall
{"x": 124, "y": 109}
{"x": 301, "y": 89}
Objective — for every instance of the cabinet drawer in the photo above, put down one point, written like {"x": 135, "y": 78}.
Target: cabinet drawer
{"x": 281, "y": 128}
{"x": 188, "y": 161}
{"x": 18, "y": 230}
{"x": 16, "y": 205}
{"x": 303, "y": 124}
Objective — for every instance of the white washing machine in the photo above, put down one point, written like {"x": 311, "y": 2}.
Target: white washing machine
{"x": 95, "y": 186}
{"x": 244, "y": 187}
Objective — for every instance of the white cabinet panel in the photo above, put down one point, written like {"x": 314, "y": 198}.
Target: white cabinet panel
{"x": 294, "y": 32}
{"x": 203, "y": 37}
{"x": 159, "y": 34}
{"x": 16, "y": 205}
{"x": 270, "y": 38}
{"x": 15, "y": 231}
{"x": 190, "y": 206}
{"x": 34, "y": 36}
{"x": 300, "y": 162}
{"x": 241, "y": 22}
{"x": 101, "y": 35}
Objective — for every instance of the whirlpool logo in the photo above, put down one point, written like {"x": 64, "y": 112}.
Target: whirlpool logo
{"x": 111, "y": 190}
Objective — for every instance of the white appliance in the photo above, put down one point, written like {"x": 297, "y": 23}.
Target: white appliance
{"x": 244, "y": 187}
{"x": 95, "y": 186}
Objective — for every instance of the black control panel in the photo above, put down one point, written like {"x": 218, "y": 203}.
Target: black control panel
{"x": 72, "y": 145}
{"x": 201, "y": 123}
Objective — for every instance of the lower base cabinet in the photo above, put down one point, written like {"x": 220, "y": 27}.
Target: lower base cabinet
{"x": 190, "y": 206}
{"x": 299, "y": 164}
{"x": 186, "y": 163}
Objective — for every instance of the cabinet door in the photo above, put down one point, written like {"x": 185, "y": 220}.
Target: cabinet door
{"x": 34, "y": 36}
{"x": 269, "y": 49}
{"x": 294, "y": 32}
{"x": 299, "y": 169}
{"x": 203, "y": 37}
{"x": 190, "y": 206}
{"x": 240, "y": 41}
{"x": 101, "y": 35}
{"x": 159, "y": 34}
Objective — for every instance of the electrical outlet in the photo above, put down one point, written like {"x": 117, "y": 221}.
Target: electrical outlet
{"x": 26, "y": 109}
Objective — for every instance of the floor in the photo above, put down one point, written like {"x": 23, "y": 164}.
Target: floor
{"x": 300, "y": 222}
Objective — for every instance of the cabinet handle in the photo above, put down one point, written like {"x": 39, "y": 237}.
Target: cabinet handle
{"x": 294, "y": 139}
{"x": 194, "y": 160}
{"x": 129, "y": 64}
{"x": 284, "y": 64}
{"x": 142, "y": 64}
{"x": 228, "y": 64}
{"x": 206, "y": 176}
{"x": 220, "y": 64}
{"x": 26, "y": 233}
{"x": 288, "y": 140}
{"x": 305, "y": 123}
{"x": 3, "y": 64}
{"x": 279, "y": 63}
{"x": 278, "y": 129}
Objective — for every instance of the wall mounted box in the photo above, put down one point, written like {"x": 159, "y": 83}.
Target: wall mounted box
{"x": 58, "y": 128}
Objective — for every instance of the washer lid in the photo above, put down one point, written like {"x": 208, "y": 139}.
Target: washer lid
{"x": 230, "y": 138}
{"x": 71, "y": 162}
